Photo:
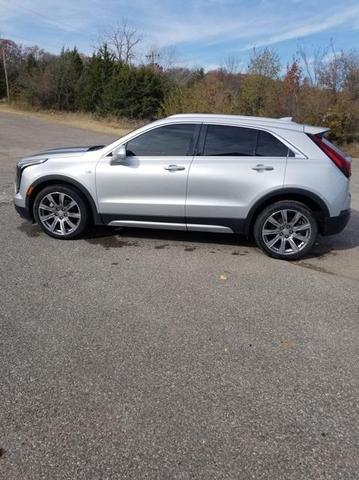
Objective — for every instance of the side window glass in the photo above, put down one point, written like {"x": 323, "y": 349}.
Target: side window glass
{"x": 270, "y": 146}
{"x": 170, "y": 140}
{"x": 230, "y": 141}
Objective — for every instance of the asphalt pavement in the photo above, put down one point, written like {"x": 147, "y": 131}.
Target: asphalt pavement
{"x": 139, "y": 354}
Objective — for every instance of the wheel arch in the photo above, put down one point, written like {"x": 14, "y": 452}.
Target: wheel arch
{"x": 44, "y": 182}
{"x": 310, "y": 199}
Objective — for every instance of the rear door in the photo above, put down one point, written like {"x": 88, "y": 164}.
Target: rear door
{"x": 235, "y": 167}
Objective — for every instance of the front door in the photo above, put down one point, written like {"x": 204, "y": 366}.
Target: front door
{"x": 150, "y": 184}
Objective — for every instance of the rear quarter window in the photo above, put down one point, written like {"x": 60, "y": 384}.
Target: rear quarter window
{"x": 270, "y": 146}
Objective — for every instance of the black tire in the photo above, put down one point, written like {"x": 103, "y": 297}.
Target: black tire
{"x": 297, "y": 239}
{"x": 76, "y": 215}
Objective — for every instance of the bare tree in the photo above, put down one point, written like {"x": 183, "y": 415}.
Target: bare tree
{"x": 329, "y": 68}
{"x": 230, "y": 65}
{"x": 11, "y": 56}
{"x": 313, "y": 64}
{"x": 5, "y": 73}
{"x": 168, "y": 57}
{"x": 122, "y": 40}
{"x": 337, "y": 69}
{"x": 352, "y": 80}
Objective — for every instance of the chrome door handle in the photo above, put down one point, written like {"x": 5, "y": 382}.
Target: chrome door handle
{"x": 261, "y": 168}
{"x": 174, "y": 168}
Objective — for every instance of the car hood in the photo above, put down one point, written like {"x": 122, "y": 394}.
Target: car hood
{"x": 63, "y": 152}
{"x": 68, "y": 151}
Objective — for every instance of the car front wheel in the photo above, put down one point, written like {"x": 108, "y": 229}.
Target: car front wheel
{"x": 286, "y": 230}
{"x": 61, "y": 212}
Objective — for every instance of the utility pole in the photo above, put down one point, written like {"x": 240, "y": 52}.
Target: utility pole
{"x": 152, "y": 57}
{"x": 5, "y": 73}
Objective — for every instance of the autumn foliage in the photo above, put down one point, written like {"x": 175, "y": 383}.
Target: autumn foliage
{"x": 322, "y": 89}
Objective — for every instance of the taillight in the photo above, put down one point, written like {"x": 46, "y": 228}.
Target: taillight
{"x": 335, "y": 155}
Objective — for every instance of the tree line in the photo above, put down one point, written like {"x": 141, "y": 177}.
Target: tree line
{"x": 320, "y": 88}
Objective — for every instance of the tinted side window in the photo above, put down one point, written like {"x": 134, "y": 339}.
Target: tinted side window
{"x": 270, "y": 146}
{"x": 171, "y": 140}
{"x": 230, "y": 141}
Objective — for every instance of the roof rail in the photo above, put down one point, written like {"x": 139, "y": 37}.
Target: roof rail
{"x": 284, "y": 122}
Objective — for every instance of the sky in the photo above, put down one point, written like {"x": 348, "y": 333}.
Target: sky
{"x": 197, "y": 32}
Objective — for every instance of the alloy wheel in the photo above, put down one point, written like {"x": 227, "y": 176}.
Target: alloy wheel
{"x": 59, "y": 213}
{"x": 286, "y": 232}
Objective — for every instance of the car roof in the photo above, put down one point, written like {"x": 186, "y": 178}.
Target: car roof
{"x": 283, "y": 123}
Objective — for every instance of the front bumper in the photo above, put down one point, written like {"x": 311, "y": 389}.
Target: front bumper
{"x": 333, "y": 225}
{"x": 24, "y": 213}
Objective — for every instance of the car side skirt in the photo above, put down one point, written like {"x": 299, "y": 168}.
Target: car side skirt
{"x": 195, "y": 224}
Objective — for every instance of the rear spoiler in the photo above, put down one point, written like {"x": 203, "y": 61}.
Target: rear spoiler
{"x": 308, "y": 128}
{"x": 315, "y": 130}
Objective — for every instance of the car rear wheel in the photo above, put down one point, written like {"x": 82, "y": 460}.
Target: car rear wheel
{"x": 286, "y": 230}
{"x": 61, "y": 212}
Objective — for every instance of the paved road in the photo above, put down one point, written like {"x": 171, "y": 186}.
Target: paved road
{"x": 154, "y": 355}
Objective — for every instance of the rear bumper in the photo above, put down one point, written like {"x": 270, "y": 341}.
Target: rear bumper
{"x": 333, "y": 225}
{"x": 24, "y": 213}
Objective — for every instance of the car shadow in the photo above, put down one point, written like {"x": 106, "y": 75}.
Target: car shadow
{"x": 346, "y": 240}
{"x": 110, "y": 237}
{"x": 117, "y": 237}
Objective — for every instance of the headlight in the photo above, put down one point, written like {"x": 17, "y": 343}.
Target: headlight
{"x": 22, "y": 164}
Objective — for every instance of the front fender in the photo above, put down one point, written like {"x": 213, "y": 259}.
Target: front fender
{"x": 42, "y": 182}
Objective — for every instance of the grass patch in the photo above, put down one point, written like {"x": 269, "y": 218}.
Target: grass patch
{"x": 86, "y": 121}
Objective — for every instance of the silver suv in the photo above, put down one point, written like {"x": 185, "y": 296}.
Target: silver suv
{"x": 277, "y": 180}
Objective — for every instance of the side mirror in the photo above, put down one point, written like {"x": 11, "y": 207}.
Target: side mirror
{"x": 119, "y": 154}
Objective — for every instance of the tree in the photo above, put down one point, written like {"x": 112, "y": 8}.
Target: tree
{"x": 230, "y": 65}
{"x": 13, "y": 57}
{"x": 351, "y": 85}
{"x": 95, "y": 77}
{"x": 337, "y": 69}
{"x": 290, "y": 91}
{"x": 52, "y": 81}
{"x": 133, "y": 92}
{"x": 318, "y": 89}
{"x": 260, "y": 87}
{"x": 312, "y": 63}
{"x": 122, "y": 40}
{"x": 67, "y": 72}
{"x": 265, "y": 63}
{"x": 168, "y": 57}
{"x": 207, "y": 95}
